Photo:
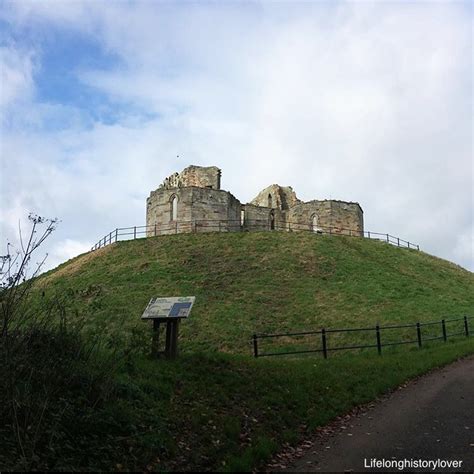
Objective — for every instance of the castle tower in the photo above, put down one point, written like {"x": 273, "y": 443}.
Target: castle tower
{"x": 192, "y": 201}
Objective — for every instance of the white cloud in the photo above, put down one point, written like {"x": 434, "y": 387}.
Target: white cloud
{"x": 16, "y": 78}
{"x": 355, "y": 101}
{"x": 65, "y": 250}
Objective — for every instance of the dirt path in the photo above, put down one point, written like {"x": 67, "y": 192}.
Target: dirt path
{"x": 431, "y": 418}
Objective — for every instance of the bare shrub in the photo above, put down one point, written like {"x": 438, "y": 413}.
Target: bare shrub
{"x": 52, "y": 379}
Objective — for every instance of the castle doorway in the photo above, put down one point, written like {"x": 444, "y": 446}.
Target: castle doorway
{"x": 272, "y": 220}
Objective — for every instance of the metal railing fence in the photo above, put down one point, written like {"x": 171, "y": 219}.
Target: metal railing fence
{"x": 198, "y": 226}
{"x": 414, "y": 333}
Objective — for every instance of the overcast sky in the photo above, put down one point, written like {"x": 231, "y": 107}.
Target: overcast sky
{"x": 358, "y": 101}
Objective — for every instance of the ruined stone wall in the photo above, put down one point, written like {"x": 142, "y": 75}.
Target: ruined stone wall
{"x": 258, "y": 218}
{"x": 339, "y": 216}
{"x": 203, "y": 207}
{"x": 158, "y": 212}
{"x": 211, "y": 208}
{"x": 198, "y": 209}
{"x": 199, "y": 176}
{"x": 276, "y": 197}
{"x": 347, "y": 216}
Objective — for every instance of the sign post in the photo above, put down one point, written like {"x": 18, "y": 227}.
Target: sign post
{"x": 169, "y": 311}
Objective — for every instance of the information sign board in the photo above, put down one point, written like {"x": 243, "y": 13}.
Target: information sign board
{"x": 173, "y": 307}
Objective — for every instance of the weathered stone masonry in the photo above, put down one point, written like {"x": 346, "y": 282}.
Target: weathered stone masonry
{"x": 192, "y": 201}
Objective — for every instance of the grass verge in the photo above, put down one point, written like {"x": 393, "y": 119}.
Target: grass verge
{"x": 217, "y": 411}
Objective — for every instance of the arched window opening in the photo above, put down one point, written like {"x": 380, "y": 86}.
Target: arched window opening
{"x": 173, "y": 208}
{"x": 272, "y": 220}
{"x": 242, "y": 217}
{"x": 314, "y": 224}
{"x": 270, "y": 201}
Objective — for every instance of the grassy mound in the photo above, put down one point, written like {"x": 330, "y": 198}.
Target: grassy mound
{"x": 215, "y": 407}
{"x": 259, "y": 282}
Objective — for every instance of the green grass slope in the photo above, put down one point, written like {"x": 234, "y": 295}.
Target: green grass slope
{"x": 215, "y": 407}
{"x": 259, "y": 282}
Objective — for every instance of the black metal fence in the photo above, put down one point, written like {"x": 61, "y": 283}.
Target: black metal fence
{"x": 136, "y": 232}
{"x": 415, "y": 333}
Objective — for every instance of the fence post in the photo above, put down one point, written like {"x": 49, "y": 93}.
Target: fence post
{"x": 116, "y": 235}
{"x": 255, "y": 346}
{"x": 388, "y": 240}
{"x": 466, "y": 327}
{"x": 418, "y": 333}
{"x": 325, "y": 347}
{"x": 398, "y": 242}
{"x": 443, "y": 324}
{"x": 417, "y": 247}
{"x": 408, "y": 244}
{"x": 379, "y": 344}
{"x": 134, "y": 232}
{"x": 368, "y": 234}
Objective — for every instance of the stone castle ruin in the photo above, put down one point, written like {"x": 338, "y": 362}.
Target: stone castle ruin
{"x": 193, "y": 201}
